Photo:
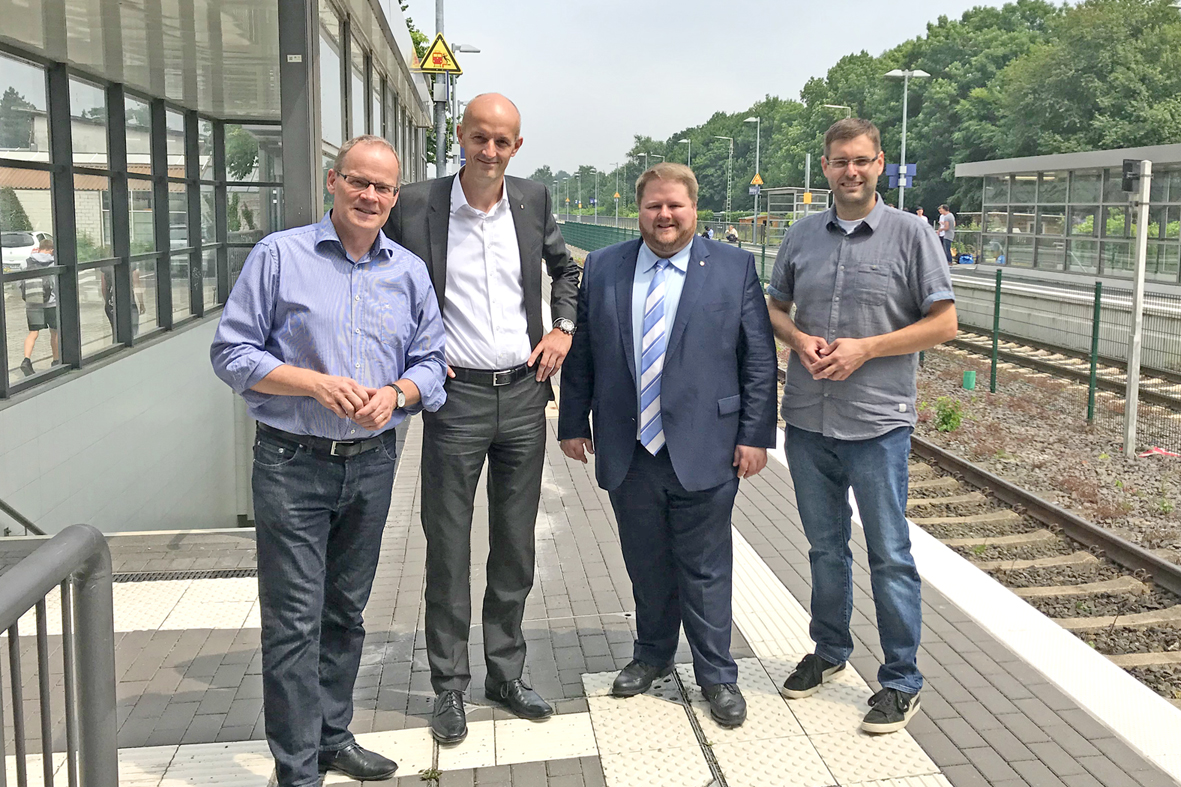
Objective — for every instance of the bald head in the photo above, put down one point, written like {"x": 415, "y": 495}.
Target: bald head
{"x": 493, "y": 107}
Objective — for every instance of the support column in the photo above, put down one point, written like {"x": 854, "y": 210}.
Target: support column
{"x": 299, "y": 97}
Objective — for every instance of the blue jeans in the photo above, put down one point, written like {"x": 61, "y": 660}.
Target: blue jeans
{"x": 319, "y": 524}
{"x": 823, "y": 469}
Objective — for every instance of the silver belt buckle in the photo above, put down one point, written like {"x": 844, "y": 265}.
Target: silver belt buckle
{"x": 502, "y": 378}
{"x": 332, "y": 450}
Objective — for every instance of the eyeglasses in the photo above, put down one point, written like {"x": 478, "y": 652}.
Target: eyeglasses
{"x": 360, "y": 184}
{"x": 861, "y": 162}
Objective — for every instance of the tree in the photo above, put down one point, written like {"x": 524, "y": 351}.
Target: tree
{"x": 16, "y": 121}
{"x": 543, "y": 175}
{"x": 241, "y": 152}
{"x": 12, "y": 213}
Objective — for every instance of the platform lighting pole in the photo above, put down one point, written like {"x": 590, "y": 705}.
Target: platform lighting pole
{"x": 616, "y": 166}
{"x": 754, "y": 227}
{"x": 657, "y": 155}
{"x": 567, "y": 182}
{"x": 440, "y": 96}
{"x": 579, "y": 176}
{"x": 905, "y": 76}
{"x": 457, "y": 105}
{"x": 848, "y": 109}
{"x": 689, "y": 156}
{"x": 557, "y": 198}
{"x": 729, "y": 173}
{"x": 1132, "y": 396}
{"x": 596, "y": 195}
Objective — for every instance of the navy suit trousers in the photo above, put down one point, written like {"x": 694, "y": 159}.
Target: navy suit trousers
{"x": 679, "y": 555}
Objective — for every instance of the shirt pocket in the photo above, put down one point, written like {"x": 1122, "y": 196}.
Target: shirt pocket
{"x": 872, "y": 283}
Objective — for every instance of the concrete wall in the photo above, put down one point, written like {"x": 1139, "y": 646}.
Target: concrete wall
{"x": 145, "y": 442}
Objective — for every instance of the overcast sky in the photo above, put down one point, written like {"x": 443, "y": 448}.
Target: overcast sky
{"x": 589, "y": 75}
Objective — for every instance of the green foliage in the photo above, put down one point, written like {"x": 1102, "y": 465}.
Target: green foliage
{"x": 949, "y": 414}
{"x": 89, "y": 250}
{"x": 241, "y": 152}
{"x": 16, "y": 121}
{"x": 420, "y": 39}
{"x": 12, "y": 213}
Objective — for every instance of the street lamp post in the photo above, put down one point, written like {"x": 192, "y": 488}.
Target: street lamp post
{"x": 848, "y": 109}
{"x": 616, "y": 167}
{"x": 456, "y": 104}
{"x": 579, "y": 176}
{"x": 557, "y": 197}
{"x": 729, "y": 173}
{"x": 656, "y": 155}
{"x": 689, "y": 156}
{"x": 567, "y": 182}
{"x": 758, "y": 121}
{"x": 596, "y": 195}
{"x": 905, "y": 76}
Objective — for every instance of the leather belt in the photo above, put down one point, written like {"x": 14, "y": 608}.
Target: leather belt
{"x": 322, "y": 445}
{"x": 489, "y": 377}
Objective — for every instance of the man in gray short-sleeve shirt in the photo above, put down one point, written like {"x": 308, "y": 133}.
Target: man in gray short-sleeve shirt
{"x": 871, "y": 289}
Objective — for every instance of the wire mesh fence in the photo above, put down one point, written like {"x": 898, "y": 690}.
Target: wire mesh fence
{"x": 1083, "y": 331}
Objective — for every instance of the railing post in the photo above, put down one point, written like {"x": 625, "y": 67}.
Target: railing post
{"x": 996, "y": 330}
{"x": 1095, "y": 320}
{"x": 98, "y": 748}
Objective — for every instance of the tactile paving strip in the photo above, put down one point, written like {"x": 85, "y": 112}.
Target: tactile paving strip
{"x": 683, "y": 767}
{"x": 241, "y": 764}
{"x": 35, "y": 772}
{"x": 931, "y": 780}
{"x": 643, "y": 723}
{"x": 560, "y": 737}
{"x": 770, "y": 618}
{"x": 773, "y": 763}
{"x": 857, "y": 757}
{"x": 767, "y": 714}
{"x": 478, "y": 749}
{"x": 598, "y": 684}
{"x": 839, "y": 705}
{"x": 413, "y": 749}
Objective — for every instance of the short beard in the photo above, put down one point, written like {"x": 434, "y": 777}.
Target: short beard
{"x": 665, "y": 251}
{"x": 851, "y": 206}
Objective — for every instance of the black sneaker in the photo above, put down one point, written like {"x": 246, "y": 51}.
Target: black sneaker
{"x": 891, "y": 710}
{"x": 809, "y": 674}
{"x": 27, "y": 367}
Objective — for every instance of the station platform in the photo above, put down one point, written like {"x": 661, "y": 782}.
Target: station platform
{"x": 190, "y": 698}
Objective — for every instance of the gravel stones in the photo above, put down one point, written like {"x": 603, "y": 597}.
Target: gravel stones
{"x": 1118, "y": 641}
{"x": 1102, "y": 604}
{"x": 1057, "y": 575}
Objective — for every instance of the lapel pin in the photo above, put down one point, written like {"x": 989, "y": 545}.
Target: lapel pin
{"x": 702, "y": 263}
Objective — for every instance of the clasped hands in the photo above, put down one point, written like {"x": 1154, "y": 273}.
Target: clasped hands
{"x": 370, "y": 408}
{"x": 835, "y": 361}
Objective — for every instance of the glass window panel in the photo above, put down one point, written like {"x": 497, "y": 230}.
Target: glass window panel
{"x": 26, "y": 214}
{"x": 1115, "y": 222}
{"x": 329, "y": 199}
{"x": 1022, "y": 218}
{"x": 1052, "y": 187}
{"x": 1172, "y": 225}
{"x": 209, "y": 277}
{"x": 1051, "y": 253}
{"x": 96, "y": 308}
{"x": 254, "y": 153}
{"x": 1162, "y": 261}
{"x": 204, "y": 149}
{"x": 376, "y": 129}
{"x": 178, "y": 217}
{"x": 92, "y": 217}
{"x": 88, "y": 124}
{"x": 175, "y": 127}
{"x": 1024, "y": 188}
{"x": 139, "y": 208}
{"x": 139, "y": 135}
{"x": 1159, "y": 191}
{"x": 145, "y": 310}
{"x": 253, "y": 212}
{"x": 996, "y": 190}
{"x": 1175, "y": 185}
{"x": 31, "y": 316}
{"x": 331, "y": 101}
{"x": 1117, "y": 258}
{"x": 1085, "y": 187}
{"x": 1051, "y": 220}
{"x": 24, "y": 127}
{"x": 208, "y": 217}
{"x": 182, "y": 302}
{"x": 237, "y": 258}
{"x": 1020, "y": 251}
{"x": 993, "y": 249}
{"x": 996, "y": 221}
{"x": 1084, "y": 220}
{"x": 1112, "y": 187}
{"x": 357, "y": 92}
{"x": 1083, "y": 256}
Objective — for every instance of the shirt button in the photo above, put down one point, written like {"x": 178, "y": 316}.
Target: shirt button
{"x": 357, "y": 298}
{"x": 837, "y": 298}
{"x": 826, "y": 394}
{"x": 358, "y": 366}
{"x": 357, "y": 330}
{"x": 842, "y": 267}
{"x": 352, "y": 431}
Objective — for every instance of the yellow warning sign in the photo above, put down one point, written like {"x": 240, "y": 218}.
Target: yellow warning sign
{"x": 756, "y": 180}
{"x": 567, "y": 200}
{"x": 617, "y": 195}
{"x": 439, "y": 58}
{"x": 807, "y": 198}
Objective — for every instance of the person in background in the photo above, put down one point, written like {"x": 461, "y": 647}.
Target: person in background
{"x": 40, "y": 297}
{"x": 946, "y": 230}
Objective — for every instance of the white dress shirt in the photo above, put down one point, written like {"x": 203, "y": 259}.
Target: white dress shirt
{"x": 484, "y": 302}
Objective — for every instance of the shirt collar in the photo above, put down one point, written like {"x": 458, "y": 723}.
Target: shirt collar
{"x": 647, "y": 259}
{"x": 871, "y": 220}
{"x": 459, "y": 199}
{"x": 326, "y": 232}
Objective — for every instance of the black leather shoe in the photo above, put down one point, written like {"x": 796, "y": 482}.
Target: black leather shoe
{"x": 357, "y": 763}
{"x": 726, "y": 705}
{"x": 637, "y": 677}
{"x": 520, "y": 699}
{"x": 449, "y": 722}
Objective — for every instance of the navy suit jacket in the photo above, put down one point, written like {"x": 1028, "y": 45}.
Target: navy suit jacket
{"x": 717, "y": 389}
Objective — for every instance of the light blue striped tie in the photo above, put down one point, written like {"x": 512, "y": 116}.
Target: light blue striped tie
{"x": 652, "y": 362}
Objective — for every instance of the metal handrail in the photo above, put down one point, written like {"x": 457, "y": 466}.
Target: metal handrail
{"x": 21, "y": 519}
{"x": 79, "y": 561}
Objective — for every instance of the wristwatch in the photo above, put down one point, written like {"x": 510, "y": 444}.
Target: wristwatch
{"x": 401, "y": 395}
{"x": 565, "y": 326}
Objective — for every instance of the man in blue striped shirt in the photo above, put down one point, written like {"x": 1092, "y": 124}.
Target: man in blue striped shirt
{"x": 333, "y": 336}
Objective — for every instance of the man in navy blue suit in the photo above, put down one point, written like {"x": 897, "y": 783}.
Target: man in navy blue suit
{"x": 674, "y": 356}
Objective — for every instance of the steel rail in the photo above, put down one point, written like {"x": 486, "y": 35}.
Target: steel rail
{"x": 1165, "y": 574}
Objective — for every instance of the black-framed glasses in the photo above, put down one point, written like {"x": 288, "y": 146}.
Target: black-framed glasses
{"x": 360, "y": 184}
{"x": 861, "y": 162}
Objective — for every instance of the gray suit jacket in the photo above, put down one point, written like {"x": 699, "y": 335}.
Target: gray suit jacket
{"x": 419, "y": 223}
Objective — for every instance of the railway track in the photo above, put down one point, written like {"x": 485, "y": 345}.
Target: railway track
{"x": 1118, "y": 597}
{"x": 1161, "y": 387}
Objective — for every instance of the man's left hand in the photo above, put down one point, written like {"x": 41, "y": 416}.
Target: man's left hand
{"x": 549, "y": 353}
{"x": 841, "y": 358}
{"x": 749, "y": 460}
{"x": 376, "y": 414}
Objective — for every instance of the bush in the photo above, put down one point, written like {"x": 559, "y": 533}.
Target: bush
{"x": 949, "y": 414}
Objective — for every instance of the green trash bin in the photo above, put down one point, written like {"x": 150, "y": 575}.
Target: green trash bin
{"x": 970, "y": 381}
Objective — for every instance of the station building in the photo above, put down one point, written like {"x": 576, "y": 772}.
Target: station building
{"x": 153, "y": 142}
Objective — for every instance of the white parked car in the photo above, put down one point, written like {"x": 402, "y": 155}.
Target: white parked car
{"x": 18, "y": 245}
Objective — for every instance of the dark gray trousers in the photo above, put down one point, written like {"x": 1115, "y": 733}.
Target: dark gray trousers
{"x": 506, "y": 425}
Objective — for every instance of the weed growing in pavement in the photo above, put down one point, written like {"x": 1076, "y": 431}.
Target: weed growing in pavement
{"x": 979, "y": 549}
{"x": 431, "y": 775}
{"x": 1083, "y": 607}
{"x": 1165, "y": 505}
{"x": 949, "y": 414}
